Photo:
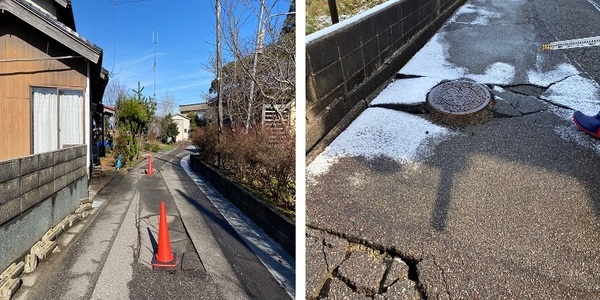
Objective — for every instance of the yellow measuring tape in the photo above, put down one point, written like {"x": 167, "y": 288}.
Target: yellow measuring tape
{"x": 575, "y": 43}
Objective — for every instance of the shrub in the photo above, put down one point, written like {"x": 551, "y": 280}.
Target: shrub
{"x": 261, "y": 160}
{"x": 205, "y": 139}
{"x": 155, "y": 148}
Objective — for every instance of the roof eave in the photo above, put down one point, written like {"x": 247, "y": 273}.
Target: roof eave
{"x": 48, "y": 26}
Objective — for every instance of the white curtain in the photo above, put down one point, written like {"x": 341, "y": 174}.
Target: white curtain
{"x": 71, "y": 117}
{"x": 45, "y": 120}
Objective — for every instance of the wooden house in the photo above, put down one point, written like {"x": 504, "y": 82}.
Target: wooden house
{"x": 51, "y": 79}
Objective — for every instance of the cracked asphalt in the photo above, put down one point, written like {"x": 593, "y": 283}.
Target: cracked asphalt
{"x": 509, "y": 208}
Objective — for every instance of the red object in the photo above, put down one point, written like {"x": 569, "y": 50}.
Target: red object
{"x": 164, "y": 257}
{"x": 150, "y": 171}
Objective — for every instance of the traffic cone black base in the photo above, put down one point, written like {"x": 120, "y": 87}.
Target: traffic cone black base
{"x": 170, "y": 265}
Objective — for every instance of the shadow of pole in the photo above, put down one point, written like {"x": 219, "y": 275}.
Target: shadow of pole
{"x": 439, "y": 215}
{"x": 152, "y": 241}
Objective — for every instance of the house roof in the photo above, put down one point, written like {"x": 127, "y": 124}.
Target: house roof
{"x": 55, "y": 29}
{"x": 63, "y": 33}
{"x": 192, "y": 107}
{"x": 180, "y": 115}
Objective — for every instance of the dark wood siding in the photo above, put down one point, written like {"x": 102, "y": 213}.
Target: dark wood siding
{"x": 18, "y": 40}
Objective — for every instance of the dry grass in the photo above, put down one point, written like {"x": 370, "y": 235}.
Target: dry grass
{"x": 318, "y": 16}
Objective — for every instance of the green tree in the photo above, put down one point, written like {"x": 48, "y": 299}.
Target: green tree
{"x": 148, "y": 103}
{"x": 134, "y": 115}
{"x": 194, "y": 119}
{"x": 169, "y": 129}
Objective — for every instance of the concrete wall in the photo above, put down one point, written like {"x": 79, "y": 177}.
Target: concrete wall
{"x": 278, "y": 227}
{"x": 36, "y": 193}
{"x": 347, "y": 63}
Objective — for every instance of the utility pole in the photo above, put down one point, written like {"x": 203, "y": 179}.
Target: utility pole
{"x": 258, "y": 47}
{"x": 154, "y": 42}
{"x": 333, "y": 11}
{"x": 219, "y": 83}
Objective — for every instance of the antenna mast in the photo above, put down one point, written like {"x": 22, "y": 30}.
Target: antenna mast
{"x": 154, "y": 42}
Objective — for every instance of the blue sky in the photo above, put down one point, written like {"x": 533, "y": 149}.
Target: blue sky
{"x": 186, "y": 39}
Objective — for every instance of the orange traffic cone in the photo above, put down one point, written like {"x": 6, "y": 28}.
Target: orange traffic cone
{"x": 164, "y": 259}
{"x": 150, "y": 171}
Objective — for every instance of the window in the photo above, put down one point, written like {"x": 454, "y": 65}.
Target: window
{"x": 57, "y": 118}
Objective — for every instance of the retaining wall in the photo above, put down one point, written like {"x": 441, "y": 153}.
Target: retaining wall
{"x": 347, "y": 63}
{"x": 36, "y": 193}
{"x": 278, "y": 227}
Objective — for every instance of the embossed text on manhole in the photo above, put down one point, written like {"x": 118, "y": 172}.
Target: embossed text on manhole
{"x": 458, "y": 97}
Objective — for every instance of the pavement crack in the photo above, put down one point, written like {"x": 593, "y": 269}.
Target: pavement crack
{"x": 407, "y": 76}
{"x": 538, "y": 89}
{"x": 412, "y": 108}
{"x": 443, "y": 277}
{"x": 555, "y": 103}
{"x": 324, "y": 292}
{"x": 354, "y": 244}
{"x": 138, "y": 242}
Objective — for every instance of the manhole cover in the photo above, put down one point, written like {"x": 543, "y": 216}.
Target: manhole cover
{"x": 458, "y": 97}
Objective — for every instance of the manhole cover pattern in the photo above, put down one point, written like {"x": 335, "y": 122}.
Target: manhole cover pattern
{"x": 458, "y": 97}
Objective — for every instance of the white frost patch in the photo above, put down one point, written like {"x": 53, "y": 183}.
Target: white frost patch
{"x": 380, "y": 132}
{"x": 546, "y": 78}
{"x": 497, "y": 73}
{"x": 483, "y": 15}
{"x": 406, "y": 91}
{"x": 431, "y": 61}
{"x": 576, "y": 92}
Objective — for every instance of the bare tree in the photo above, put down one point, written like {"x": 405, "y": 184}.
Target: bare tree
{"x": 167, "y": 104}
{"x": 219, "y": 73}
{"x": 115, "y": 92}
{"x": 263, "y": 68}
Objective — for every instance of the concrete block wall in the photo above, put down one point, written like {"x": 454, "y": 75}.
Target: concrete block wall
{"x": 36, "y": 193}
{"x": 347, "y": 63}
{"x": 278, "y": 227}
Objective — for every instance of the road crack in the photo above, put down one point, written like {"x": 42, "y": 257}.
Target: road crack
{"x": 443, "y": 273}
{"x": 366, "y": 268}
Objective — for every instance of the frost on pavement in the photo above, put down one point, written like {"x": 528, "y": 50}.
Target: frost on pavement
{"x": 472, "y": 15}
{"x": 431, "y": 61}
{"x": 380, "y": 132}
{"x": 406, "y": 91}
{"x": 576, "y": 92}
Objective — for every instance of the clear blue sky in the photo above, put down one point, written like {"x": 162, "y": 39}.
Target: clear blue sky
{"x": 186, "y": 39}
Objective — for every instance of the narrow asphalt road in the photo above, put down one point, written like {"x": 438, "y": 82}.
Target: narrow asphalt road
{"x": 108, "y": 254}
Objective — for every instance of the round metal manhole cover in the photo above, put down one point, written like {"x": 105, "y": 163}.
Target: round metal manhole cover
{"x": 458, "y": 97}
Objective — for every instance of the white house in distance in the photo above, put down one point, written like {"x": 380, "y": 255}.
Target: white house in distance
{"x": 183, "y": 125}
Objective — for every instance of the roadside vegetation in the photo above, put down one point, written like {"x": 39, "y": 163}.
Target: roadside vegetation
{"x": 318, "y": 15}
{"x": 254, "y": 160}
{"x": 256, "y": 147}
{"x": 135, "y": 129}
